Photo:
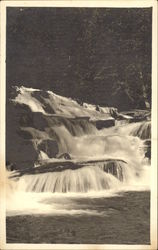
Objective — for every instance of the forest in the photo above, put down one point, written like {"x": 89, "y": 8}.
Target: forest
{"x": 98, "y": 55}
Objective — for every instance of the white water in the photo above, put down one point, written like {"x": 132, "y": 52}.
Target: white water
{"x": 57, "y": 104}
{"x": 139, "y": 129}
{"x": 54, "y": 192}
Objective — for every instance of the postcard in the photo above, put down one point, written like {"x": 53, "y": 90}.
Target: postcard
{"x": 78, "y": 125}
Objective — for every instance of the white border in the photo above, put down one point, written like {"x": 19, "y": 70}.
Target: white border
{"x": 153, "y": 206}
{"x": 91, "y": 4}
{"x": 2, "y": 128}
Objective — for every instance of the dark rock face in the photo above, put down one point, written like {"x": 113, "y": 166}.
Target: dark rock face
{"x": 50, "y": 147}
{"x": 10, "y": 166}
{"x": 22, "y": 154}
{"x": 25, "y": 134}
{"x": 139, "y": 115}
{"x": 100, "y": 124}
{"x": 23, "y": 115}
{"x": 20, "y": 150}
{"x": 112, "y": 166}
{"x": 19, "y": 114}
{"x": 39, "y": 121}
{"x": 147, "y": 144}
{"x": 148, "y": 153}
{"x": 114, "y": 113}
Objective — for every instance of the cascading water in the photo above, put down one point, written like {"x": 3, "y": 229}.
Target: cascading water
{"x": 138, "y": 129}
{"x": 81, "y": 180}
{"x": 106, "y": 160}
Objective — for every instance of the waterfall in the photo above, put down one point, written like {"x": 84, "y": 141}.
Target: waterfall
{"x": 93, "y": 177}
{"x": 139, "y": 129}
{"x": 143, "y": 130}
{"x": 98, "y": 160}
{"x": 49, "y": 103}
{"x": 96, "y": 175}
{"x": 81, "y": 180}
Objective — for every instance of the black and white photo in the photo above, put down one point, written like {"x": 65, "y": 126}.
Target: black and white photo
{"x": 79, "y": 125}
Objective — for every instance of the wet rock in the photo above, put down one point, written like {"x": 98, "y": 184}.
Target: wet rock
{"x": 10, "y": 166}
{"x": 97, "y": 108}
{"x": 139, "y": 115}
{"x": 24, "y": 115}
{"x": 148, "y": 153}
{"x": 39, "y": 121}
{"x": 112, "y": 166}
{"x": 65, "y": 156}
{"x": 19, "y": 148}
{"x": 42, "y": 97}
{"x": 114, "y": 113}
{"x": 25, "y": 134}
{"x": 100, "y": 124}
{"x": 22, "y": 154}
{"x": 18, "y": 115}
{"x": 147, "y": 144}
{"x": 40, "y": 94}
{"x": 50, "y": 147}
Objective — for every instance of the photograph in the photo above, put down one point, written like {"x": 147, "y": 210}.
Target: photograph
{"x": 78, "y": 125}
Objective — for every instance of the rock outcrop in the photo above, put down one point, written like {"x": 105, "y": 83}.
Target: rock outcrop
{"x": 104, "y": 123}
{"x": 32, "y": 119}
{"x": 65, "y": 156}
{"x": 50, "y": 147}
{"x": 113, "y": 166}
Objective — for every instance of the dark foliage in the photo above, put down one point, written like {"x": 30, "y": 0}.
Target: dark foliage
{"x": 101, "y": 56}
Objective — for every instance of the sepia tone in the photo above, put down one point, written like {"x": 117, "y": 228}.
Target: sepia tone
{"x": 78, "y": 108}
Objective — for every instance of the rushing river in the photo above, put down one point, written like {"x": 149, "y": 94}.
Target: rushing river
{"x": 114, "y": 159}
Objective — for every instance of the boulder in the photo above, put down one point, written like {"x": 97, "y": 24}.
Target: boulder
{"x": 147, "y": 144}
{"x": 10, "y": 166}
{"x": 100, "y": 124}
{"x": 42, "y": 97}
{"x": 18, "y": 115}
{"x": 20, "y": 150}
{"x": 22, "y": 153}
{"x": 24, "y": 114}
{"x": 39, "y": 121}
{"x": 148, "y": 153}
{"x": 65, "y": 156}
{"x": 24, "y": 134}
{"x": 114, "y": 113}
{"x": 50, "y": 147}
